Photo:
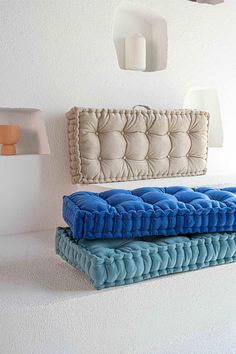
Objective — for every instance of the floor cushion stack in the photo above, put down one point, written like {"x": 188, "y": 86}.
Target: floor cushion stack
{"x": 121, "y": 237}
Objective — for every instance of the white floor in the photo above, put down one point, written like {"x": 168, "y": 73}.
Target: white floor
{"x": 48, "y": 307}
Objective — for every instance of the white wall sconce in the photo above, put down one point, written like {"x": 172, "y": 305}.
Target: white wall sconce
{"x": 135, "y": 52}
{"x": 206, "y": 99}
{"x": 135, "y": 23}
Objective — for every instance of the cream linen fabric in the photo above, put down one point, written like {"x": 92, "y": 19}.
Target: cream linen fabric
{"x": 108, "y": 145}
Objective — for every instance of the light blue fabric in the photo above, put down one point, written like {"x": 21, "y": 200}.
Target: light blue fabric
{"x": 150, "y": 211}
{"x": 108, "y": 263}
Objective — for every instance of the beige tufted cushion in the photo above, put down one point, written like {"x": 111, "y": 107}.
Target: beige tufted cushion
{"x": 108, "y": 145}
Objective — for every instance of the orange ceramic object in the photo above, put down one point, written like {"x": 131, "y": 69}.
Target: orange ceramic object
{"x": 9, "y": 136}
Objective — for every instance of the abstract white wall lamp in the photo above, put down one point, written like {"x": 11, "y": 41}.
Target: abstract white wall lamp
{"x": 140, "y": 38}
{"x": 206, "y": 99}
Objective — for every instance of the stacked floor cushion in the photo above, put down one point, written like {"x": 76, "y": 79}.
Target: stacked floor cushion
{"x": 150, "y": 211}
{"x": 108, "y": 263}
{"x": 121, "y": 237}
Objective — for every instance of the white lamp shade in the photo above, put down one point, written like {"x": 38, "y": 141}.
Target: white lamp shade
{"x": 135, "y": 52}
{"x": 206, "y": 99}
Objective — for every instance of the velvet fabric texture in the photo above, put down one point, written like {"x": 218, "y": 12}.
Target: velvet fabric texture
{"x": 150, "y": 211}
{"x": 108, "y": 263}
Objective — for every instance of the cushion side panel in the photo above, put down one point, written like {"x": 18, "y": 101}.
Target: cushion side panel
{"x": 109, "y": 264}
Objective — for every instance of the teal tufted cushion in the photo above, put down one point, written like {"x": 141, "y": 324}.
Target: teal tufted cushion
{"x": 108, "y": 263}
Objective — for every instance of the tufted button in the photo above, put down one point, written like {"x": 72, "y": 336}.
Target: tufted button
{"x": 147, "y": 158}
{"x": 168, "y": 156}
{"x": 124, "y": 158}
{"x": 168, "y": 133}
{"x": 99, "y": 158}
{"x": 147, "y": 133}
{"x": 187, "y": 155}
{"x": 96, "y": 133}
{"x": 122, "y": 132}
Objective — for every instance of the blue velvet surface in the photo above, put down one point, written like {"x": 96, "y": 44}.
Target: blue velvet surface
{"x": 150, "y": 211}
{"x": 108, "y": 263}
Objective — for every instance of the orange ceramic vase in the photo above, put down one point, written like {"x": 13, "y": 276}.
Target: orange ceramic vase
{"x": 9, "y": 136}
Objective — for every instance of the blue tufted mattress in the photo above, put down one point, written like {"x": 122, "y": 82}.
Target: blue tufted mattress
{"x": 108, "y": 263}
{"x": 150, "y": 211}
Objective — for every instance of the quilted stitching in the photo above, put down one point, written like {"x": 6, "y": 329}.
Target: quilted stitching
{"x": 120, "y": 145}
{"x": 119, "y": 262}
{"x": 150, "y": 211}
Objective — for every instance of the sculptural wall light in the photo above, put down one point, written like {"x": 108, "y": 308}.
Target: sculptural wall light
{"x": 206, "y": 99}
{"x": 140, "y": 38}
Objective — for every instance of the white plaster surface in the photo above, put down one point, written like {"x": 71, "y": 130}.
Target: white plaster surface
{"x": 47, "y": 307}
{"x": 54, "y": 55}
{"x": 60, "y": 53}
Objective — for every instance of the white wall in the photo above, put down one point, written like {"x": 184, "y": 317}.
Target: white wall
{"x": 59, "y": 53}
